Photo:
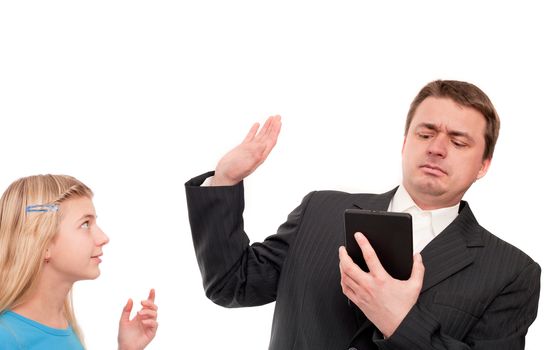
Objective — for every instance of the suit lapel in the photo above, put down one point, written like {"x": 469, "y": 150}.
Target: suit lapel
{"x": 377, "y": 202}
{"x": 449, "y": 252}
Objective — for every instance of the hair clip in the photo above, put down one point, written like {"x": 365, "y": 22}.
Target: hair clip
{"x": 42, "y": 208}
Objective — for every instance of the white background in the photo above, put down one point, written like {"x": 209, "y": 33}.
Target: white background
{"x": 136, "y": 97}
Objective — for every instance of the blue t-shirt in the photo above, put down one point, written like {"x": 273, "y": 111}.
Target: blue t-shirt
{"x": 20, "y": 333}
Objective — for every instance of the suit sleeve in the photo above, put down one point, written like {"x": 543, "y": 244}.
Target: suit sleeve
{"x": 503, "y": 325}
{"x": 235, "y": 273}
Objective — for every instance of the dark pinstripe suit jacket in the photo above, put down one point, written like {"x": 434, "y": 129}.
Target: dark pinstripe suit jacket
{"x": 479, "y": 292}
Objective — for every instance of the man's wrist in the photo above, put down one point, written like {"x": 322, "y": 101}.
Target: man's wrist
{"x": 217, "y": 180}
{"x": 207, "y": 182}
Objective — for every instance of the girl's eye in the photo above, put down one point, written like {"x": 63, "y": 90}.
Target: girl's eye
{"x": 85, "y": 225}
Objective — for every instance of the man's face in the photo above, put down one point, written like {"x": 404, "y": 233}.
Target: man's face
{"x": 443, "y": 152}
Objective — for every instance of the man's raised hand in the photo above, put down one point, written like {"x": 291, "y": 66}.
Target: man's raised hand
{"x": 242, "y": 160}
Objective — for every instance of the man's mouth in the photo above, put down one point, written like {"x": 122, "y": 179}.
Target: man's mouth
{"x": 433, "y": 169}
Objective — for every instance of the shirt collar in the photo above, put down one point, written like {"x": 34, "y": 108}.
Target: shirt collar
{"x": 441, "y": 218}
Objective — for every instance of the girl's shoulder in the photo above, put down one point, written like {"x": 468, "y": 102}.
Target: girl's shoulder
{"x": 18, "y": 332}
{"x": 7, "y": 336}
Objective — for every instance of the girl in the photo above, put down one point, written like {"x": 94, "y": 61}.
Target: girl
{"x": 49, "y": 239}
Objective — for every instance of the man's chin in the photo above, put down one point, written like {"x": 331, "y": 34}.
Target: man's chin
{"x": 431, "y": 187}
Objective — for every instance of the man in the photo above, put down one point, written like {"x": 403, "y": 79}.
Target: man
{"x": 468, "y": 289}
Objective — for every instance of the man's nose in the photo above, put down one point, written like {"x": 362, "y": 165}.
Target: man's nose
{"x": 438, "y": 146}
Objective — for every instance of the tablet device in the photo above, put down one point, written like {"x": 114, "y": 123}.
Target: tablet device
{"x": 390, "y": 234}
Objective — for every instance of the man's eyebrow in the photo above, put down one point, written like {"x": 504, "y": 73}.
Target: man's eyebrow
{"x": 429, "y": 126}
{"x": 455, "y": 133}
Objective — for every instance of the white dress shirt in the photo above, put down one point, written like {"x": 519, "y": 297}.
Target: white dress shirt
{"x": 426, "y": 224}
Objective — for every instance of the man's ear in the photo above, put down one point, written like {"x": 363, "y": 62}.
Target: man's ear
{"x": 484, "y": 168}
{"x": 403, "y": 144}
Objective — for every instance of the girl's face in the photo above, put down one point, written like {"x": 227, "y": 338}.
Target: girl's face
{"x": 75, "y": 251}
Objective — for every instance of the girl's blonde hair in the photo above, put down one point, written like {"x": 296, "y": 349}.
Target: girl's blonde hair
{"x": 25, "y": 236}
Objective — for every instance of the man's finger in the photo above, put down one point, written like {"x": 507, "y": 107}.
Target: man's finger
{"x": 370, "y": 256}
{"x": 418, "y": 269}
{"x": 275, "y": 129}
{"x": 272, "y": 137}
{"x": 251, "y": 133}
{"x": 349, "y": 268}
{"x": 265, "y": 127}
{"x": 274, "y": 123}
{"x": 347, "y": 282}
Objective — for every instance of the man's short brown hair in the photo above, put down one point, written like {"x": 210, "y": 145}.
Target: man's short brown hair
{"x": 466, "y": 95}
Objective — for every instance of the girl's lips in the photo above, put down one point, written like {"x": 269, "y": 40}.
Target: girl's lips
{"x": 97, "y": 257}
